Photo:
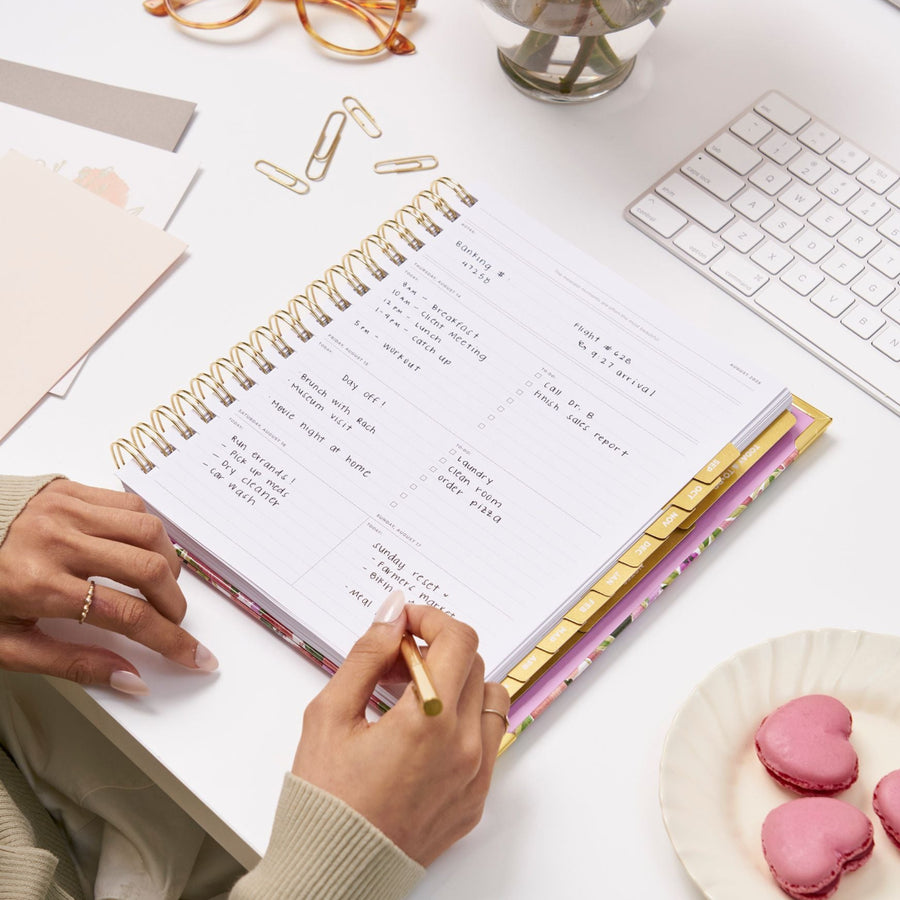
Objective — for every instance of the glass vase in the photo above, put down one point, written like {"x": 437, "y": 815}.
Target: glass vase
{"x": 570, "y": 50}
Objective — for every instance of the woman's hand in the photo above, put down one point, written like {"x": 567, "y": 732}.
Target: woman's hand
{"x": 67, "y": 534}
{"x": 422, "y": 780}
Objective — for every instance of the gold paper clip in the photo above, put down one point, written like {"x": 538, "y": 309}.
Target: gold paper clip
{"x": 406, "y": 164}
{"x": 321, "y": 157}
{"x": 362, "y": 116}
{"x": 281, "y": 176}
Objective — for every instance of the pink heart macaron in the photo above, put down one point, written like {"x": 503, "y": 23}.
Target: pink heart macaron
{"x": 886, "y": 803}
{"x": 810, "y": 842}
{"x": 805, "y": 745}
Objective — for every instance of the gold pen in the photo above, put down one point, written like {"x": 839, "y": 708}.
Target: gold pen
{"x": 412, "y": 656}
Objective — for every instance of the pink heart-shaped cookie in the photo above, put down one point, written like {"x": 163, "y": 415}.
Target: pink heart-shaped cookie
{"x": 805, "y": 745}
{"x": 886, "y": 803}
{"x": 811, "y": 841}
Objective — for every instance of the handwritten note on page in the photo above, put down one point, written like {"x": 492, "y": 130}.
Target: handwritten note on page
{"x": 487, "y": 429}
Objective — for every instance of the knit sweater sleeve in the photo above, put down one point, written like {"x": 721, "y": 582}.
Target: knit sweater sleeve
{"x": 321, "y": 848}
{"x": 15, "y": 492}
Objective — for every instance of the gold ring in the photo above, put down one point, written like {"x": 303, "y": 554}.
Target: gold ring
{"x": 87, "y": 603}
{"x": 497, "y": 712}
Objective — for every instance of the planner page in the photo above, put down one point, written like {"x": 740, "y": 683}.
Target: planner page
{"x": 487, "y": 429}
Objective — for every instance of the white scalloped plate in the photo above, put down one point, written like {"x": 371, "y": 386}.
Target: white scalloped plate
{"x": 713, "y": 791}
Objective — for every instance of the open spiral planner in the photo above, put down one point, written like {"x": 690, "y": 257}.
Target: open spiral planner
{"x": 470, "y": 409}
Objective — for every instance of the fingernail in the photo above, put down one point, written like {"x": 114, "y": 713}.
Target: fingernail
{"x": 128, "y": 682}
{"x": 204, "y": 659}
{"x": 390, "y": 610}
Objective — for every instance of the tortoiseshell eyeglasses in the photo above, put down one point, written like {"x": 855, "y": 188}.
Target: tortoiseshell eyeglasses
{"x": 353, "y": 27}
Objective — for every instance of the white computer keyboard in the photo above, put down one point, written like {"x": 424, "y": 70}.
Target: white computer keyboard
{"x": 799, "y": 224}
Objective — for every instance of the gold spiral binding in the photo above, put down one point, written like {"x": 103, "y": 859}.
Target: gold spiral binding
{"x": 457, "y": 189}
{"x": 372, "y": 267}
{"x": 438, "y": 202}
{"x": 348, "y": 273}
{"x": 226, "y": 398}
{"x": 263, "y": 332}
{"x": 387, "y": 248}
{"x": 166, "y": 412}
{"x": 292, "y": 322}
{"x": 332, "y": 294}
{"x": 355, "y": 284}
{"x": 421, "y": 219}
{"x": 237, "y": 373}
{"x": 122, "y": 446}
{"x": 301, "y": 301}
{"x": 402, "y": 232}
{"x": 244, "y": 347}
{"x": 181, "y": 397}
{"x": 142, "y": 429}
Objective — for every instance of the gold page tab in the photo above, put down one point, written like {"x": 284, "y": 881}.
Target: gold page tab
{"x": 671, "y": 520}
{"x": 718, "y": 464}
{"x": 640, "y": 551}
{"x": 691, "y": 495}
{"x": 513, "y": 687}
{"x": 617, "y": 576}
{"x": 534, "y": 663}
{"x": 591, "y": 606}
{"x": 564, "y": 633}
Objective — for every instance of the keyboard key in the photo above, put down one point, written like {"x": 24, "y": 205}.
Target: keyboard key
{"x": 739, "y": 272}
{"x": 699, "y": 244}
{"x": 809, "y": 168}
{"x": 734, "y": 153}
{"x": 833, "y": 300}
{"x": 862, "y": 321}
{"x": 887, "y": 260}
{"x": 772, "y": 257}
{"x": 712, "y": 175}
{"x": 872, "y": 288}
{"x": 829, "y": 218}
{"x": 780, "y": 149}
{"x": 742, "y": 237}
{"x": 818, "y": 137}
{"x": 890, "y": 228}
{"x": 888, "y": 342}
{"x": 892, "y": 309}
{"x": 694, "y": 201}
{"x": 847, "y": 157}
{"x": 780, "y": 111}
{"x": 782, "y": 225}
{"x": 752, "y": 204}
{"x": 894, "y": 197}
{"x": 770, "y": 178}
{"x": 878, "y": 177}
{"x": 859, "y": 240}
{"x": 803, "y": 278}
{"x": 839, "y": 187}
{"x": 800, "y": 199}
{"x": 658, "y": 215}
{"x": 869, "y": 208}
{"x": 812, "y": 246}
{"x": 842, "y": 267}
{"x": 752, "y": 128}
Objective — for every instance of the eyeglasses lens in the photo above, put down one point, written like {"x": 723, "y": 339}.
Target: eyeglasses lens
{"x": 349, "y": 25}
{"x": 206, "y": 12}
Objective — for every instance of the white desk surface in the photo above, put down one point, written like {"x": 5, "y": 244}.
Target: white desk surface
{"x": 574, "y": 806}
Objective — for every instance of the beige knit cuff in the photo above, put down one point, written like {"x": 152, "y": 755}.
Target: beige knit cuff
{"x": 321, "y": 848}
{"x": 15, "y": 492}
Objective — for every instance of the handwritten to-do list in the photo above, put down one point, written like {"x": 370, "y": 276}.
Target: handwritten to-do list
{"x": 487, "y": 428}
